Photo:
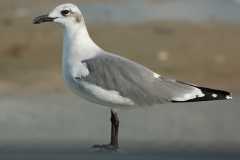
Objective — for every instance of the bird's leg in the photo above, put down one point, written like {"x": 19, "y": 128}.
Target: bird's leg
{"x": 114, "y": 133}
{"x": 114, "y": 129}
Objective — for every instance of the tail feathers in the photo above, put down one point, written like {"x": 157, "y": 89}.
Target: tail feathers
{"x": 209, "y": 95}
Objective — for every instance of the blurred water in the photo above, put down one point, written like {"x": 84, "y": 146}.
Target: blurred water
{"x": 138, "y": 11}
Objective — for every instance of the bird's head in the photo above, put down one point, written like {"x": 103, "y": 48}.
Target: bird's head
{"x": 65, "y": 14}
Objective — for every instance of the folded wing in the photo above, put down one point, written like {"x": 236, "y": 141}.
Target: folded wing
{"x": 141, "y": 85}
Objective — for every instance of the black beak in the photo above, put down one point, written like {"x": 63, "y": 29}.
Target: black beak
{"x": 42, "y": 19}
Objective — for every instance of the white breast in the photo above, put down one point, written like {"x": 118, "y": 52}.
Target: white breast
{"x": 78, "y": 46}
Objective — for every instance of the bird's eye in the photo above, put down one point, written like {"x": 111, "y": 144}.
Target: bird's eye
{"x": 65, "y": 12}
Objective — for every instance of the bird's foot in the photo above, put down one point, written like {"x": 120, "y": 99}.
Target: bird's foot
{"x": 106, "y": 147}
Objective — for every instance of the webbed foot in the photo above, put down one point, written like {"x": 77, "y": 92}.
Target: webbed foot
{"x": 106, "y": 147}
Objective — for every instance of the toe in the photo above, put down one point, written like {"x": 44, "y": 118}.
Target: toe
{"x": 105, "y": 147}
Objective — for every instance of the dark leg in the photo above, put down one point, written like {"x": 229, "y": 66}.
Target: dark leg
{"x": 114, "y": 129}
{"x": 114, "y": 133}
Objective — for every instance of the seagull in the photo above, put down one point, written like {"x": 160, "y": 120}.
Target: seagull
{"x": 113, "y": 81}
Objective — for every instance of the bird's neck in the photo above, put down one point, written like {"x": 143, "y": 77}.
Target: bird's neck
{"x": 78, "y": 45}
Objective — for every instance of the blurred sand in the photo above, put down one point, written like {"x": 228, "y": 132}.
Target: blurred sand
{"x": 205, "y": 54}
{"x": 201, "y": 53}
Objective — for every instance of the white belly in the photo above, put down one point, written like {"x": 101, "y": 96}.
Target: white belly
{"x": 96, "y": 94}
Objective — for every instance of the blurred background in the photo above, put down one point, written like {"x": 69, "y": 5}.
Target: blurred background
{"x": 193, "y": 41}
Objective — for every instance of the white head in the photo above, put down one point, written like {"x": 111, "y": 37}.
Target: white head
{"x": 65, "y": 14}
{"x": 76, "y": 37}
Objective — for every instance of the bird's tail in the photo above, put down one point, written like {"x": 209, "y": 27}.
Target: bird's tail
{"x": 209, "y": 95}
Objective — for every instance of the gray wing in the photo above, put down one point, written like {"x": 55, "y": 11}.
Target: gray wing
{"x": 136, "y": 82}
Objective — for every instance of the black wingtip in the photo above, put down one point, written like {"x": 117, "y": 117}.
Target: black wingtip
{"x": 210, "y": 95}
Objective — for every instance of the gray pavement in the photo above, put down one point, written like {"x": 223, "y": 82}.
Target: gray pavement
{"x": 65, "y": 118}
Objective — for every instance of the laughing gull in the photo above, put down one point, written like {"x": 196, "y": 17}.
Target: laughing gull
{"x": 110, "y": 80}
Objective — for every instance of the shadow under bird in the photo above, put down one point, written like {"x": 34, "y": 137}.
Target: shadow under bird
{"x": 113, "y": 81}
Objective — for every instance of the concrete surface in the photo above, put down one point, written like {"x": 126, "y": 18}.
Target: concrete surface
{"x": 67, "y": 118}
